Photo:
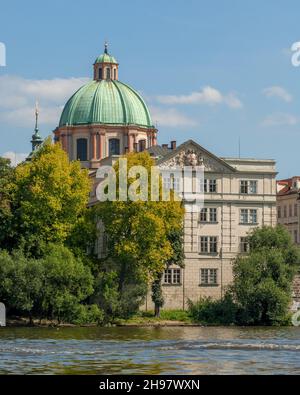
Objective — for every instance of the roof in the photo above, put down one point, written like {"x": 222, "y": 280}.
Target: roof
{"x": 106, "y": 58}
{"x": 287, "y": 186}
{"x": 109, "y": 102}
{"x": 158, "y": 151}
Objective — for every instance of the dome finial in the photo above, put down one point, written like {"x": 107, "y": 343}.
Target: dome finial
{"x": 36, "y": 129}
{"x": 106, "y": 47}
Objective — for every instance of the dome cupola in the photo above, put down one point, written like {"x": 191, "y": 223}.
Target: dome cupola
{"x": 106, "y": 67}
{"x": 104, "y": 118}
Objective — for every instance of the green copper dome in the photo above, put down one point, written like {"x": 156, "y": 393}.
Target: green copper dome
{"x": 106, "y": 58}
{"x": 106, "y": 102}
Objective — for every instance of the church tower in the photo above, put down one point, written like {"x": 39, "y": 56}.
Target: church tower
{"x": 36, "y": 140}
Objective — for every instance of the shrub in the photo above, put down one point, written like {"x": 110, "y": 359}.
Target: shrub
{"x": 87, "y": 314}
{"x": 218, "y": 312}
{"x": 52, "y": 287}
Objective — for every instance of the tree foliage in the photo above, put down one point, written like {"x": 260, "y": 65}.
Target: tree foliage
{"x": 6, "y": 178}
{"x": 50, "y": 194}
{"x": 52, "y": 287}
{"x": 263, "y": 279}
{"x": 140, "y": 232}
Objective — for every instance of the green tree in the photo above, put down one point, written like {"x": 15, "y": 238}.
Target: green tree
{"x": 55, "y": 286}
{"x": 263, "y": 279}
{"x": 50, "y": 195}
{"x": 6, "y": 178}
{"x": 21, "y": 282}
{"x": 139, "y": 232}
{"x": 67, "y": 283}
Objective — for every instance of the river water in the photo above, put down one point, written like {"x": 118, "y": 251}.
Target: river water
{"x": 168, "y": 350}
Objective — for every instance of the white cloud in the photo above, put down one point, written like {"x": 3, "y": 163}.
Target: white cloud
{"x": 207, "y": 95}
{"x": 280, "y": 119}
{"x": 14, "y": 157}
{"x": 170, "y": 117}
{"x": 18, "y": 96}
{"x": 279, "y": 92}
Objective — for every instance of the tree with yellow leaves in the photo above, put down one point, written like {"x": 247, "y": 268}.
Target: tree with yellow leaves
{"x": 50, "y": 195}
{"x": 141, "y": 233}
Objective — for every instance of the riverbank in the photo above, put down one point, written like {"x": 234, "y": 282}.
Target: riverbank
{"x": 168, "y": 318}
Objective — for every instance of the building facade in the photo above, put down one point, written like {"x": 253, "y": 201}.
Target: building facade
{"x": 239, "y": 195}
{"x": 106, "y": 118}
{"x": 288, "y": 206}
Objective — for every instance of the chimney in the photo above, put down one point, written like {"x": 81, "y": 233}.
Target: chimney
{"x": 173, "y": 145}
{"x": 165, "y": 146}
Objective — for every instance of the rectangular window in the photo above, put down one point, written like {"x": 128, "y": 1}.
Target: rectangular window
{"x": 208, "y": 277}
{"x": 203, "y": 215}
{"x": 244, "y": 187}
{"x": 253, "y": 216}
{"x": 290, "y": 210}
{"x": 208, "y": 244}
{"x": 168, "y": 276}
{"x": 244, "y": 216}
{"x": 253, "y": 187}
{"x": 284, "y": 211}
{"x": 296, "y": 210}
{"x": 176, "y": 276}
{"x": 213, "y": 245}
{"x": 210, "y": 185}
{"x": 244, "y": 245}
{"x": 248, "y": 216}
{"x": 248, "y": 187}
{"x": 208, "y": 215}
{"x": 204, "y": 244}
{"x": 213, "y": 215}
{"x": 172, "y": 276}
{"x": 171, "y": 183}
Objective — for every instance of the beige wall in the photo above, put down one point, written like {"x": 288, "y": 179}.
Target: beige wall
{"x": 288, "y": 217}
{"x": 228, "y": 231}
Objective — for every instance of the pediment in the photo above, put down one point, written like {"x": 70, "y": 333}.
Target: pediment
{"x": 192, "y": 154}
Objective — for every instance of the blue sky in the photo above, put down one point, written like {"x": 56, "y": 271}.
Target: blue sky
{"x": 214, "y": 71}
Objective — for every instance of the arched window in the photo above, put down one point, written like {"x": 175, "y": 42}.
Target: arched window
{"x": 142, "y": 145}
{"x": 114, "y": 147}
{"x": 115, "y": 74}
{"x": 108, "y": 73}
{"x": 82, "y": 149}
{"x": 100, "y": 73}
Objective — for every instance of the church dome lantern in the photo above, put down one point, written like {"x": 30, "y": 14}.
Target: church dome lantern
{"x": 106, "y": 67}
